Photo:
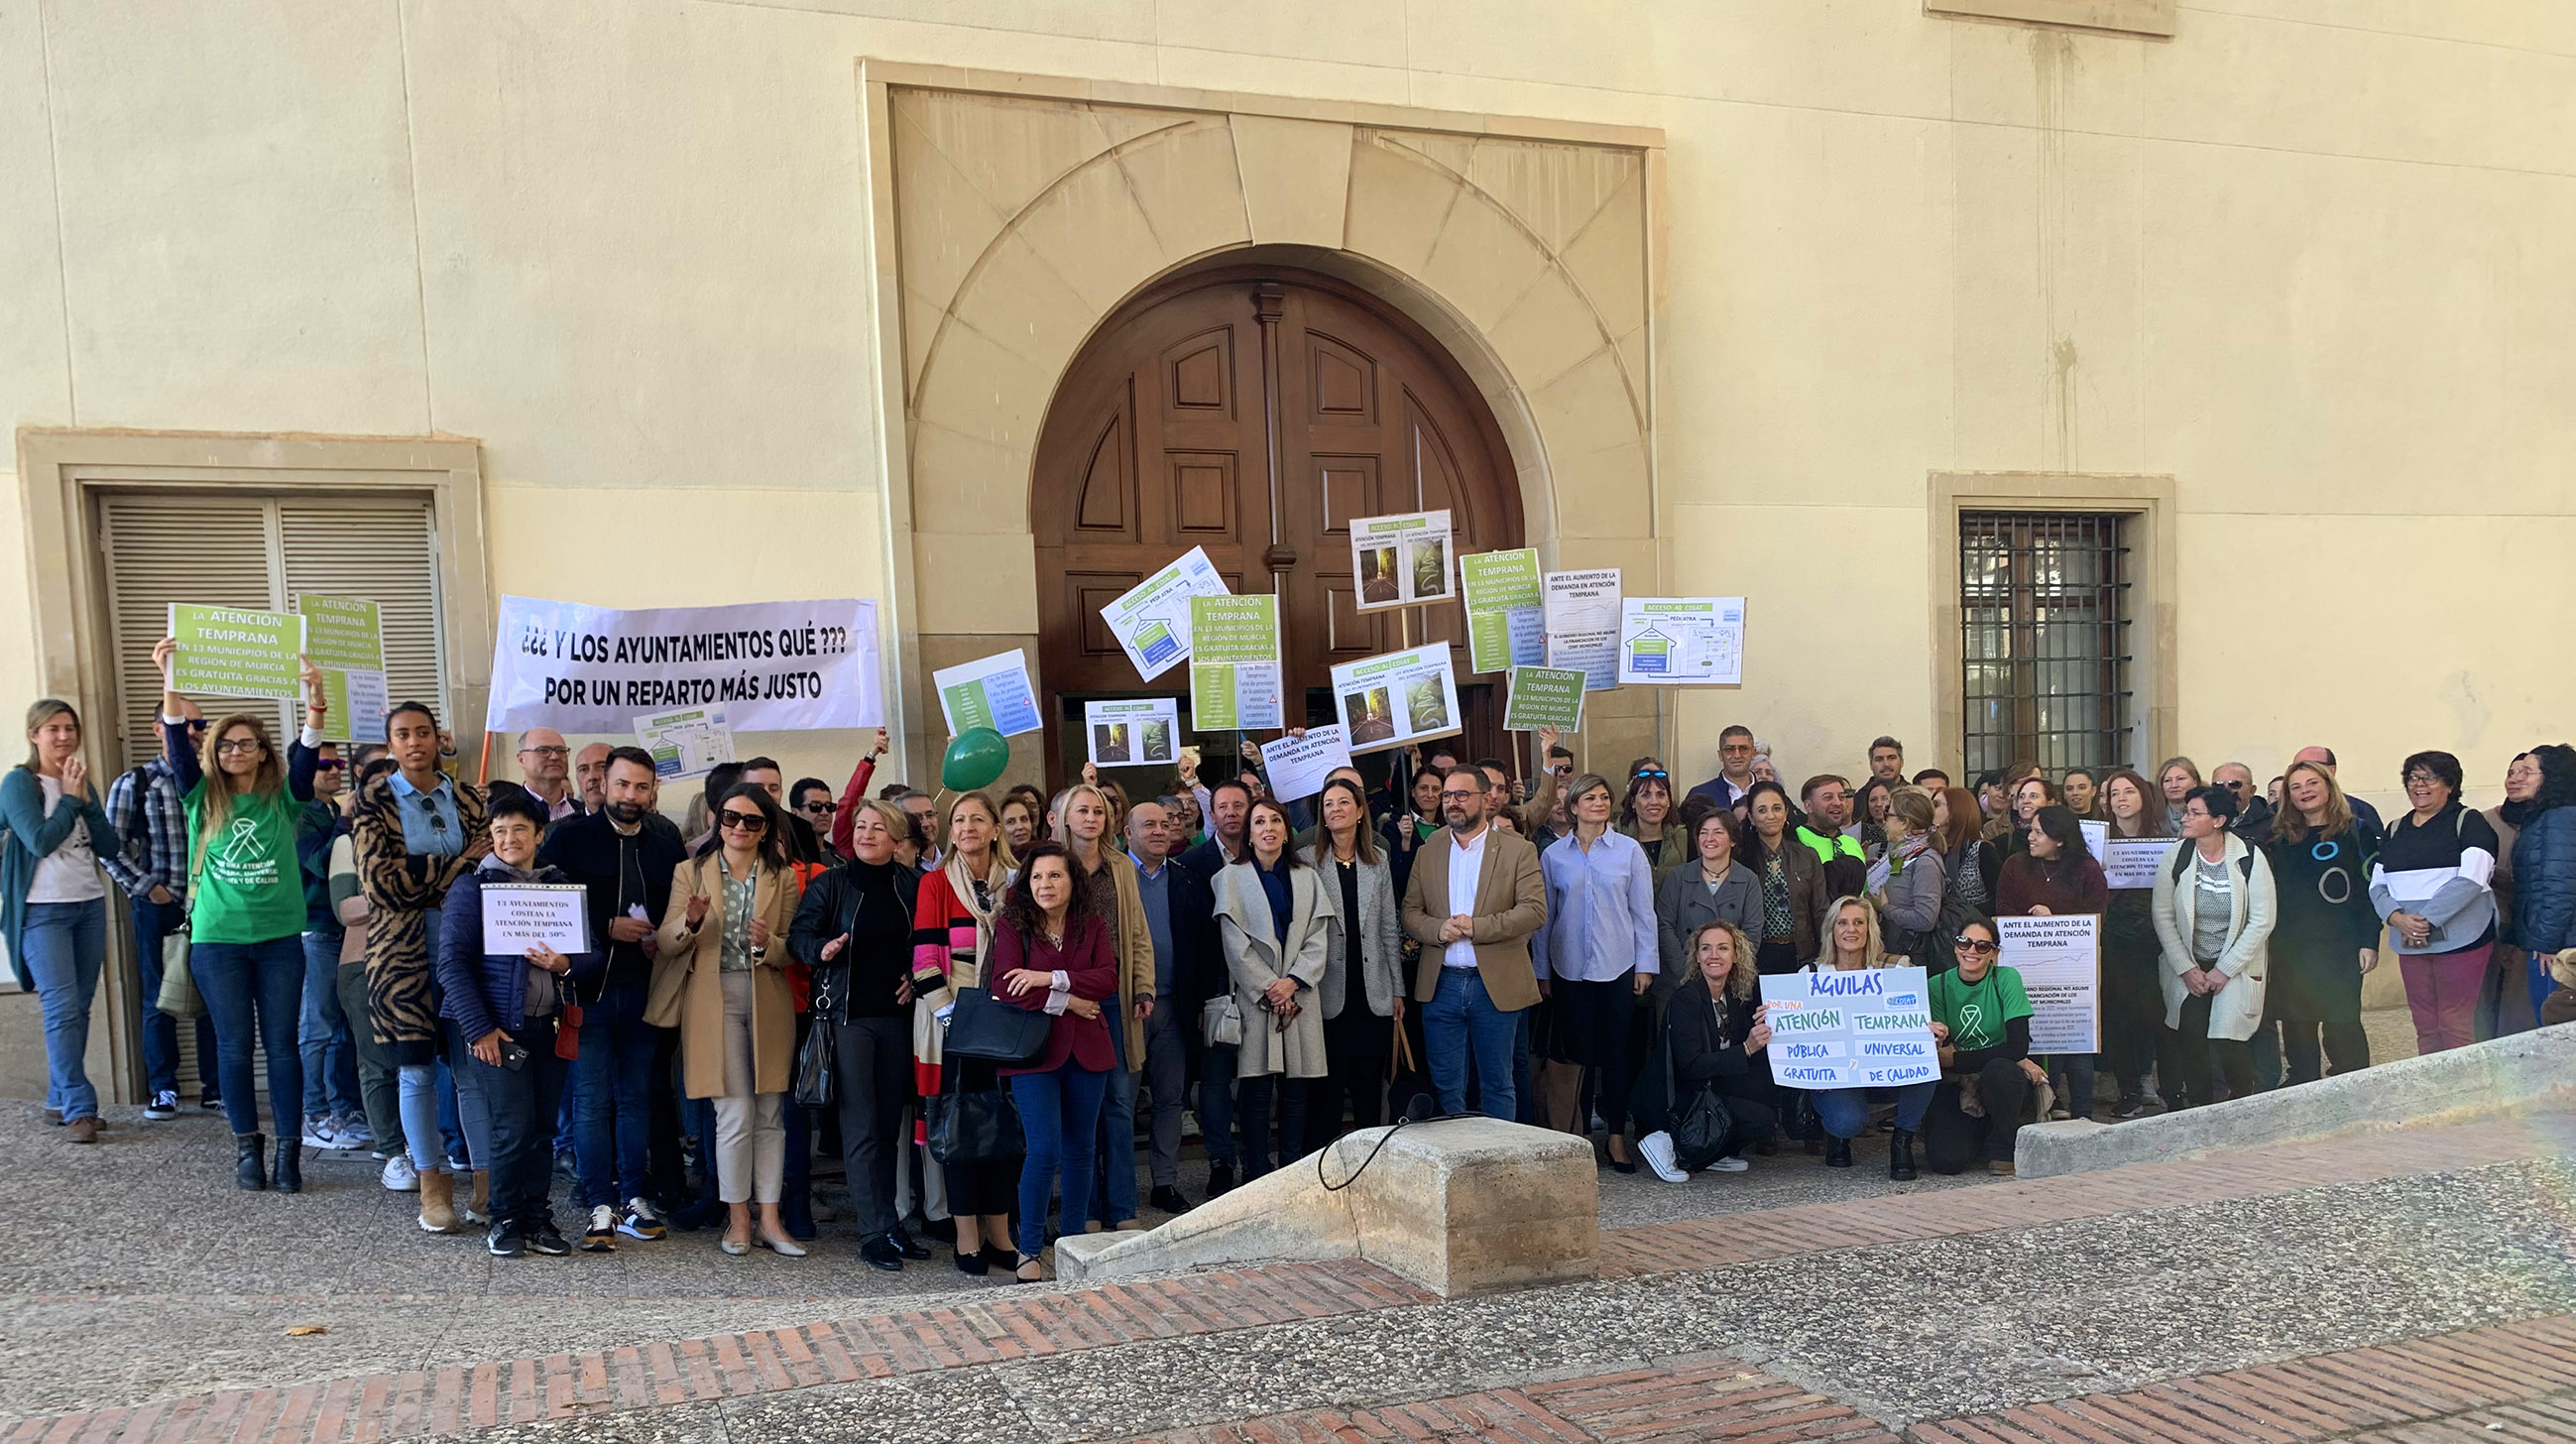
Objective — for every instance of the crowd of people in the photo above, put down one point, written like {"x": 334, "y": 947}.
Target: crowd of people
{"x": 981, "y": 1000}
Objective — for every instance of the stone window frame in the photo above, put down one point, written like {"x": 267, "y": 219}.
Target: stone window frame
{"x": 2148, "y": 501}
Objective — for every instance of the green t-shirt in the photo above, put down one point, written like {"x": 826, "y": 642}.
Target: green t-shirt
{"x": 247, "y": 888}
{"x": 1976, "y": 1012}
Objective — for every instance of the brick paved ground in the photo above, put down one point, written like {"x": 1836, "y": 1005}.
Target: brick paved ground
{"x": 1373, "y": 1358}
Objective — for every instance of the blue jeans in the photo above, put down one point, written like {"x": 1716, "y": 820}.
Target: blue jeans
{"x": 1845, "y": 1111}
{"x": 416, "y": 1096}
{"x": 1461, "y": 1024}
{"x": 1059, "y": 1118}
{"x": 65, "y": 946}
{"x": 1216, "y": 1103}
{"x": 613, "y": 1077}
{"x": 152, "y": 922}
{"x": 2078, "y": 1071}
{"x": 473, "y": 1115}
{"x": 1113, "y": 1197}
{"x": 255, "y": 986}
{"x": 322, "y": 1035}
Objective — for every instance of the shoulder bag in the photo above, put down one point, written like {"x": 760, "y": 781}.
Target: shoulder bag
{"x": 972, "y": 1128}
{"x": 983, "y": 1026}
{"x": 1702, "y": 1126}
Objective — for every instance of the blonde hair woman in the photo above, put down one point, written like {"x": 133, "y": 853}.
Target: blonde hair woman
{"x": 1712, "y": 1032}
{"x": 1852, "y": 943}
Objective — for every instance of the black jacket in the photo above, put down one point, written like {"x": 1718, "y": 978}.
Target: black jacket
{"x": 860, "y": 983}
{"x": 586, "y": 848}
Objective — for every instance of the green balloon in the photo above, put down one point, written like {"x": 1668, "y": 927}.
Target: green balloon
{"x": 975, "y": 759}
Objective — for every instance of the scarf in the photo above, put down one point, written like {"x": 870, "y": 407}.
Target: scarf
{"x": 962, "y": 884}
{"x": 1895, "y": 859}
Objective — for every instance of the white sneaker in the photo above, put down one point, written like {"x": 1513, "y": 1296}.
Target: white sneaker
{"x": 319, "y": 1133}
{"x": 1657, "y": 1150}
{"x": 1727, "y": 1165}
{"x": 400, "y": 1176}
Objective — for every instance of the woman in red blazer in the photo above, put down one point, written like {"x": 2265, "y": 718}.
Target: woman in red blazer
{"x": 1051, "y": 955}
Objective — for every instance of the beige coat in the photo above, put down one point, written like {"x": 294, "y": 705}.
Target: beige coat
{"x": 1510, "y": 904}
{"x": 1255, "y": 958}
{"x": 692, "y": 960}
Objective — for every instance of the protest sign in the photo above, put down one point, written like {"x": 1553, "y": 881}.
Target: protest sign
{"x": 1400, "y": 560}
{"x": 2132, "y": 861}
{"x": 344, "y": 638}
{"x": 774, "y": 666}
{"x": 1506, "y": 613}
{"x": 1397, "y": 698}
{"x": 990, "y": 692}
{"x": 1234, "y": 662}
{"x": 1681, "y": 641}
{"x": 1582, "y": 611}
{"x": 1135, "y": 732}
{"x": 1544, "y": 697}
{"x": 226, "y": 652}
{"x": 1151, "y": 619}
{"x": 2097, "y": 838}
{"x": 686, "y": 743}
{"x": 1868, "y": 1028}
{"x": 2060, "y": 961}
{"x": 1298, "y": 767}
{"x": 518, "y": 916}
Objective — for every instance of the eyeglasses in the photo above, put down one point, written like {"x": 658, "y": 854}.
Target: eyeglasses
{"x": 1452, "y": 795}
{"x": 745, "y": 821}
{"x": 2238, "y": 786}
{"x": 1978, "y": 946}
{"x": 235, "y": 746}
{"x": 549, "y": 751}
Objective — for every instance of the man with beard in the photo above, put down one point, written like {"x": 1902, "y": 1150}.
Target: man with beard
{"x": 624, "y": 856}
{"x": 1475, "y": 898}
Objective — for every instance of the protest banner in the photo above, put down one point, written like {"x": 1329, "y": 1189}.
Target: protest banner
{"x": 2097, "y": 838}
{"x": 1298, "y": 767}
{"x": 1133, "y": 732}
{"x": 2059, "y": 958}
{"x": 1151, "y": 619}
{"x": 687, "y": 743}
{"x": 1582, "y": 613}
{"x": 990, "y": 692}
{"x": 2132, "y": 861}
{"x": 1544, "y": 697}
{"x": 227, "y": 652}
{"x": 1506, "y": 611}
{"x": 1234, "y": 662}
{"x": 518, "y": 916}
{"x": 1401, "y": 697}
{"x": 774, "y": 666}
{"x": 1397, "y": 561}
{"x": 1681, "y": 641}
{"x": 344, "y": 638}
{"x": 1868, "y": 1028}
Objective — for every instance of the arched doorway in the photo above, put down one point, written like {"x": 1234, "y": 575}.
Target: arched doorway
{"x": 1253, "y": 411}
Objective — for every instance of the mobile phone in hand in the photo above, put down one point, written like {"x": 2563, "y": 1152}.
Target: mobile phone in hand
{"x": 513, "y": 1057}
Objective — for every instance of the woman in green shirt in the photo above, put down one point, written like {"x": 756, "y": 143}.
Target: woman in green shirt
{"x": 246, "y": 910}
{"x": 1981, "y": 1019}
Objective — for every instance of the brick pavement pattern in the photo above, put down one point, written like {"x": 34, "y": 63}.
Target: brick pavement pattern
{"x": 529, "y": 1390}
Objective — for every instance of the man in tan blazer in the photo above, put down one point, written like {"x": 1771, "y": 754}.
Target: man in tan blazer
{"x": 1475, "y": 898}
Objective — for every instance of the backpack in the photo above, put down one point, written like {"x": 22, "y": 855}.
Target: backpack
{"x": 2183, "y": 857}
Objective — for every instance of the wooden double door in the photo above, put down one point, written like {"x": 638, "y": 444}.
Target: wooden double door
{"x": 1253, "y": 412}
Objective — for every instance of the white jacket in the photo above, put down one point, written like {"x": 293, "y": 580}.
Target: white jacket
{"x": 2238, "y": 1009}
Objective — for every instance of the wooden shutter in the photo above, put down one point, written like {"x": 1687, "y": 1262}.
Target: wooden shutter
{"x": 165, "y": 547}
{"x": 386, "y": 552}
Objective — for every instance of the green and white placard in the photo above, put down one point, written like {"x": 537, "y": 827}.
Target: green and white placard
{"x": 228, "y": 652}
{"x": 1234, "y": 662}
{"x": 345, "y": 638}
{"x": 1506, "y": 618}
{"x": 1544, "y": 697}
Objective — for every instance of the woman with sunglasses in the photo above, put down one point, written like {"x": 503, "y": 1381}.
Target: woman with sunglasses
{"x": 1981, "y": 1020}
{"x": 725, "y": 934}
{"x": 56, "y": 910}
{"x": 246, "y": 911}
{"x": 1647, "y": 818}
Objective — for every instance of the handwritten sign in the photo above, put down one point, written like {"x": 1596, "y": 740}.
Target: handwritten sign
{"x": 1865, "y": 1029}
{"x": 2060, "y": 962}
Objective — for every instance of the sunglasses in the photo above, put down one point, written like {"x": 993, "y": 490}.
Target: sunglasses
{"x": 198, "y": 724}
{"x": 818, "y": 809}
{"x": 746, "y": 821}
{"x": 328, "y": 764}
{"x": 1979, "y": 946}
{"x": 1656, "y": 773}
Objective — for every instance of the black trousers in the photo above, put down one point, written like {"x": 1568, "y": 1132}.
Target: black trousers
{"x": 872, "y": 1063}
{"x": 1354, "y": 1078}
{"x": 2133, "y": 1018}
{"x": 1252, "y": 1107}
{"x": 1652, "y": 1108}
{"x": 522, "y": 1104}
{"x": 1591, "y": 1029}
{"x": 1952, "y": 1141}
{"x": 2183, "y": 1071}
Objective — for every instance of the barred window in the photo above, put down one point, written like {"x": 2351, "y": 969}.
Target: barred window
{"x": 2044, "y": 646}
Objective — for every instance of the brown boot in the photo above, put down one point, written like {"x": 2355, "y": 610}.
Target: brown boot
{"x": 438, "y": 1203}
{"x": 478, "y": 1209}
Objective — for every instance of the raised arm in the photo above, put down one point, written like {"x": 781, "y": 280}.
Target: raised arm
{"x": 846, "y": 816}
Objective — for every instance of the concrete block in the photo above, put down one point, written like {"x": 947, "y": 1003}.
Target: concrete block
{"x": 1459, "y": 1206}
{"x": 2535, "y": 1069}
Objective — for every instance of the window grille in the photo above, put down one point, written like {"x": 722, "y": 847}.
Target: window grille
{"x": 2044, "y": 645}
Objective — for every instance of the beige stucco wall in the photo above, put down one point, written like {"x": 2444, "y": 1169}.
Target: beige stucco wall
{"x": 2315, "y": 261}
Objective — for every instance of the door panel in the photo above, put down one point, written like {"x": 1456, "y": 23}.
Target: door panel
{"x": 1159, "y": 440}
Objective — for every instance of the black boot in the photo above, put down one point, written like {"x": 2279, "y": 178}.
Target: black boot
{"x": 1837, "y": 1153}
{"x": 290, "y": 1165}
{"x": 1900, "y": 1156}
{"x": 250, "y": 1161}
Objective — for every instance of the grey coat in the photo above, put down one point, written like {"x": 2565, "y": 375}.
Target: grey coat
{"x": 1683, "y": 905}
{"x": 1255, "y": 957}
{"x": 1379, "y": 929}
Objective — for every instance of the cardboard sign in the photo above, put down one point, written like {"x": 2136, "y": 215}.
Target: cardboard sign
{"x": 227, "y": 652}
{"x": 990, "y": 692}
{"x": 1397, "y": 561}
{"x": 1544, "y": 697}
{"x": 1681, "y": 641}
{"x": 1234, "y": 662}
{"x": 1134, "y": 732}
{"x": 2132, "y": 861}
{"x": 1582, "y": 611}
{"x": 1397, "y": 698}
{"x": 518, "y": 916}
{"x": 1506, "y": 610}
{"x": 1151, "y": 619}
{"x": 345, "y": 639}
{"x": 687, "y": 743}
{"x": 2060, "y": 962}
{"x": 1298, "y": 767}
{"x": 1870, "y": 1028}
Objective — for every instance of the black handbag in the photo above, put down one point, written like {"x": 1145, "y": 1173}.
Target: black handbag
{"x": 982, "y": 1026}
{"x": 972, "y": 1129}
{"x": 1702, "y": 1126}
{"x": 814, "y": 1086}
